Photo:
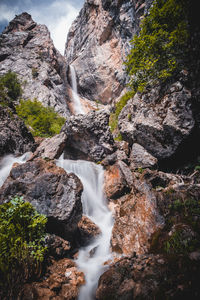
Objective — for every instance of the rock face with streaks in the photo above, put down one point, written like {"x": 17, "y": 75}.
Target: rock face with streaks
{"x": 98, "y": 43}
{"x": 27, "y": 49}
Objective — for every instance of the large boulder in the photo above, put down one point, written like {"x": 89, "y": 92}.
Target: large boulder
{"x": 14, "y": 136}
{"x": 159, "y": 122}
{"x": 88, "y": 136}
{"x": 50, "y": 190}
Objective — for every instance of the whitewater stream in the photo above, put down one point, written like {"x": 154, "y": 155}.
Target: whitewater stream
{"x": 7, "y": 162}
{"x": 78, "y": 109}
{"x": 91, "y": 259}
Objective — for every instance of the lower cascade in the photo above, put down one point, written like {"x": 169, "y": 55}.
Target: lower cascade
{"x": 91, "y": 259}
{"x": 7, "y": 163}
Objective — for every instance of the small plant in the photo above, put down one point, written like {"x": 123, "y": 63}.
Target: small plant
{"x": 10, "y": 88}
{"x": 22, "y": 230}
{"x": 113, "y": 122}
{"x": 35, "y": 72}
{"x": 43, "y": 121}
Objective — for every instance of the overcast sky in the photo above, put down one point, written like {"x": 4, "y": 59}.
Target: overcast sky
{"x": 56, "y": 14}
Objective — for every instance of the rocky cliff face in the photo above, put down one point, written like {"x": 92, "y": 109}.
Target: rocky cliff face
{"x": 27, "y": 49}
{"x": 98, "y": 43}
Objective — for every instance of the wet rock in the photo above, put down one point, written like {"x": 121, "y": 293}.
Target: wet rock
{"x": 159, "y": 123}
{"x": 140, "y": 158}
{"x": 87, "y": 230}
{"x": 28, "y": 50}
{"x": 51, "y": 147}
{"x": 62, "y": 281}
{"x": 88, "y": 136}
{"x": 14, "y": 136}
{"x": 50, "y": 190}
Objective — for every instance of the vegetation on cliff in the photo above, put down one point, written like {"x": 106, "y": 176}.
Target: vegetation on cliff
{"x": 159, "y": 48}
{"x": 22, "y": 231}
{"x": 42, "y": 121}
{"x": 158, "y": 51}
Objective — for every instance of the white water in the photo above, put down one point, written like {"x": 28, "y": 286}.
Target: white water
{"x": 6, "y": 165}
{"x": 78, "y": 109}
{"x": 95, "y": 207}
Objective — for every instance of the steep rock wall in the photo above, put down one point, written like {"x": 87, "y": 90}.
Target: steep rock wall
{"x": 27, "y": 49}
{"x": 98, "y": 43}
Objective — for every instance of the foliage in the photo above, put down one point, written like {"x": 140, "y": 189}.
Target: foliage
{"x": 22, "y": 231}
{"x": 10, "y": 88}
{"x": 43, "y": 121}
{"x": 118, "y": 108}
{"x": 158, "y": 49}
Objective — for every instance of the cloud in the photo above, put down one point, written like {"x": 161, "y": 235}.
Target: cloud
{"x": 57, "y": 15}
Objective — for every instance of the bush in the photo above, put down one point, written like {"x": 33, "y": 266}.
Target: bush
{"x": 159, "y": 48}
{"x": 22, "y": 231}
{"x": 42, "y": 121}
{"x": 113, "y": 121}
{"x": 10, "y": 86}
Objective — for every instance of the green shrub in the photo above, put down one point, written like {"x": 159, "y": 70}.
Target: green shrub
{"x": 113, "y": 121}
{"x": 42, "y": 121}
{"x": 22, "y": 231}
{"x": 10, "y": 86}
{"x": 160, "y": 46}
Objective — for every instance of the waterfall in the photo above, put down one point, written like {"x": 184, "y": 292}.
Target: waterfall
{"x": 91, "y": 259}
{"x": 76, "y": 100}
{"x": 6, "y": 165}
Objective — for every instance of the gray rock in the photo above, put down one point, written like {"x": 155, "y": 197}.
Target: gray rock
{"x": 140, "y": 158}
{"x": 50, "y": 190}
{"x": 158, "y": 123}
{"x": 27, "y": 49}
{"x": 88, "y": 136}
{"x": 51, "y": 147}
{"x": 14, "y": 136}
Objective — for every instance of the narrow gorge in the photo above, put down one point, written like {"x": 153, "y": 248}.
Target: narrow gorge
{"x": 99, "y": 155}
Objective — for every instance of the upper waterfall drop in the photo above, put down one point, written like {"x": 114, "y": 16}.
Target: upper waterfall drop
{"x": 92, "y": 258}
{"x": 78, "y": 109}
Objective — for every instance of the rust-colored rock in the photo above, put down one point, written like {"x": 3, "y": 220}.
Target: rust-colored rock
{"x": 63, "y": 281}
{"x": 88, "y": 230}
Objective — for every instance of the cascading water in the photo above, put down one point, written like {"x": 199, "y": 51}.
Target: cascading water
{"x": 6, "y": 165}
{"x": 76, "y": 100}
{"x": 91, "y": 259}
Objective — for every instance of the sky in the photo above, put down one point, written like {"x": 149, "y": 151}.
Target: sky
{"x": 57, "y": 15}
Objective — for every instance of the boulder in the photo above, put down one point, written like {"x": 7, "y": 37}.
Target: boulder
{"x": 87, "y": 231}
{"x": 50, "y": 190}
{"x": 88, "y": 136}
{"x": 62, "y": 281}
{"x": 140, "y": 158}
{"x": 150, "y": 276}
{"x": 57, "y": 247}
{"x": 50, "y": 148}
{"x": 159, "y": 122}
{"x": 14, "y": 136}
{"x": 118, "y": 180}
